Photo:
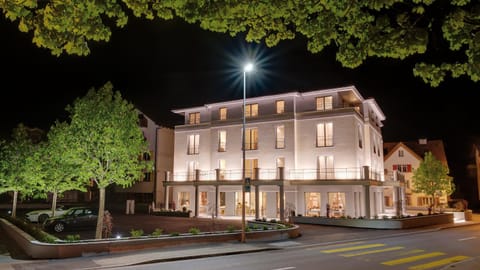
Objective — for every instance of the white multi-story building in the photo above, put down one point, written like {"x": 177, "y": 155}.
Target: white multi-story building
{"x": 306, "y": 152}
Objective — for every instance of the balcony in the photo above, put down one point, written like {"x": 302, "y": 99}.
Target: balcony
{"x": 360, "y": 173}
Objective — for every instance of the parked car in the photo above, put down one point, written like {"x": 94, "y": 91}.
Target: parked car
{"x": 41, "y": 215}
{"x": 74, "y": 218}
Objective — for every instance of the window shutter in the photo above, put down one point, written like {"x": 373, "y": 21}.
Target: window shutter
{"x": 395, "y": 167}
{"x": 409, "y": 168}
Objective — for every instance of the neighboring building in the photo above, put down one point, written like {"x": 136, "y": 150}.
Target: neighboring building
{"x": 405, "y": 157}
{"x": 149, "y": 188}
{"x": 304, "y": 151}
{"x": 473, "y": 177}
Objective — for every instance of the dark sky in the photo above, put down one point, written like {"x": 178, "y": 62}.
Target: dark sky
{"x": 163, "y": 65}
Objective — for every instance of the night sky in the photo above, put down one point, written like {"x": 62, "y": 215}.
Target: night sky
{"x": 164, "y": 65}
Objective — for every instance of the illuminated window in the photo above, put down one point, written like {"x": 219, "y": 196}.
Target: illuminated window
{"x": 194, "y": 118}
{"x": 222, "y": 141}
{"x": 223, "y": 113}
{"x": 325, "y": 134}
{"x": 193, "y": 144}
{"x": 222, "y": 165}
{"x": 325, "y": 169}
{"x": 312, "y": 204}
{"x": 402, "y": 167}
{"x": 251, "y": 139}
{"x": 324, "y": 103}
{"x": 251, "y": 110}
{"x": 280, "y": 134}
{"x": 280, "y": 105}
{"x": 336, "y": 203}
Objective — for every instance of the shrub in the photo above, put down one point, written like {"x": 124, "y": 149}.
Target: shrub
{"x": 31, "y": 229}
{"x": 194, "y": 230}
{"x": 72, "y": 238}
{"x": 265, "y": 227}
{"x": 230, "y": 228}
{"x": 273, "y": 221}
{"x": 157, "y": 232}
{"x": 136, "y": 233}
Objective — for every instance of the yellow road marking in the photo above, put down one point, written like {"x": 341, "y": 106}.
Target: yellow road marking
{"x": 352, "y": 248}
{"x": 413, "y": 258}
{"x": 336, "y": 245}
{"x": 439, "y": 263}
{"x": 371, "y": 252}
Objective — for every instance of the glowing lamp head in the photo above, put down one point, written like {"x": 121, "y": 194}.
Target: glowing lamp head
{"x": 248, "y": 67}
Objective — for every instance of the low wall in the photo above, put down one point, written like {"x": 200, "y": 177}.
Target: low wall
{"x": 39, "y": 250}
{"x": 404, "y": 223}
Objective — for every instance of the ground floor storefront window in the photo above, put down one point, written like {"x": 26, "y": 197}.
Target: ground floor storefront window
{"x": 312, "y": 203}
{"x": 336, "y": 204}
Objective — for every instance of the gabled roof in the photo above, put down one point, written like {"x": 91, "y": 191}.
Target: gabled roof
{"x": 418, "y": 149}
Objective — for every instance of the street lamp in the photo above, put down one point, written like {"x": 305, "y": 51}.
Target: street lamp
{"x": 247, "y": 68}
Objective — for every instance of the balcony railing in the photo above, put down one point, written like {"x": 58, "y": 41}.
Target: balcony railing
{"x": 361, "y": 173}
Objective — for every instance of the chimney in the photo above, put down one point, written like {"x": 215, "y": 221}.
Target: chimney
{"x": 422, "y": 141}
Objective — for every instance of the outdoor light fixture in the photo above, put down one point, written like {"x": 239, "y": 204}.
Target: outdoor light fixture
{"x": 247, "y": 68}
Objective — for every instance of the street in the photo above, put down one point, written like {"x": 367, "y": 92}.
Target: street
{"x": 428, "y": 250}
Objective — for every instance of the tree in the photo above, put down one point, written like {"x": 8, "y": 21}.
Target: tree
{"x": 57, "y": 164}
{"x": 15, "y": 174}
{"x": 447, "y": 31}
{"x": 106, "y": 141}
{"x": 432, "y": 178}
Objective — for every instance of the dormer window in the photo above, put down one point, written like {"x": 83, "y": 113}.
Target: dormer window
{"x": 222, "y": 113}
{"x": 194, "y": 118}
{"x": 280, "y": 105}
{"x": 324, "y": 103}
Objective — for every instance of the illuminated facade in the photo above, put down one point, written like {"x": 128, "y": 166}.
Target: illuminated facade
{"x": 306, "y": 152}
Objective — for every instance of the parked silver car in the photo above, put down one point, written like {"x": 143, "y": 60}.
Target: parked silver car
{"x": 41, "y": 215}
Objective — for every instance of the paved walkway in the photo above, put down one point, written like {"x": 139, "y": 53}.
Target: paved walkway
{"x": 332, "y": 235}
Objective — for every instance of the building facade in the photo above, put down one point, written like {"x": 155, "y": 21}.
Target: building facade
{"x": 313, "y": 153}
{"x": 160, "y": 143}
{"x": 405, "y": 157}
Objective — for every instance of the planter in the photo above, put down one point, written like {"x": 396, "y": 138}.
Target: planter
{"x": 403, "y": 223}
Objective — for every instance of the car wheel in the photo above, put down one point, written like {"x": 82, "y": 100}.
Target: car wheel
{"x": 59, "y": 227}
{"x": 42, "y": 218}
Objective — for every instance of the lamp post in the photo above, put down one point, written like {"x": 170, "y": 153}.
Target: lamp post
{"x": 247, "y": 68}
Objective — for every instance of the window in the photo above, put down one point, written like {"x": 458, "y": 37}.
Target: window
{"x": 193, "y": 143}
{"x": 280, "y": 105}
{"x": 280, "y": 134}
{"x": 324, "y": 103}
{"x": 184, "y": 200}
{"x": 222, "y": 113}
{"x": 194, "y": 118}
{"x": 360, "y": 139}
{"x": 222, "y": 165}
{"x": 222, "y": 141}
{"x": 147, "y": 177}
{"x": 400, "y": 153}
{"x": 324, "y": 134}
{"x": 325, "y": 169}
{"x": 251, "y": 139}
{"x": 336, "y": 204}
{"x": 312, "y": 204}
{"x": 402, "y": 167}
{"x": 251, "y": 110}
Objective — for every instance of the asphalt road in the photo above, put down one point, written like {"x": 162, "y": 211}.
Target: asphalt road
{"x": 455, "y": 248}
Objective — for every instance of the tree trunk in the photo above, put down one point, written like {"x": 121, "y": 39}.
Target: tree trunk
{"x": 14, "y": 206}
{"x": 101, "y": 209}
{"x": 54, "y": 203}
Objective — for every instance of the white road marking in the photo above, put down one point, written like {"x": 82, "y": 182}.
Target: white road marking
{"x": 468, "y": 238}
{"x": 285, "y": 268}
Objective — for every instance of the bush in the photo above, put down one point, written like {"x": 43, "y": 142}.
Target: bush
{"x": 136, "y": 233}
{"x": 157, "y": 232}
{"x": 230, "y": 228}
{"x": 72, "y": 238}
{"x": 194, "y": 230}
{"x": 174, "y": 234}
{"x": 32, "y": 230}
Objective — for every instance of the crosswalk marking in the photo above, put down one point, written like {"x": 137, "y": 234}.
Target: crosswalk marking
{"x": 438, "y": 263}
{"x": 413, "y": 258}
{"x": 371, "y": 252}
{"x": 352, "y": 248}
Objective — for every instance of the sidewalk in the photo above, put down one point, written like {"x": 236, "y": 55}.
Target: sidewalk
{"x": 214, "y": 249}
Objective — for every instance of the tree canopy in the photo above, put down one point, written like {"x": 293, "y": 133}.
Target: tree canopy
{"x": 432, "y": 178}
{"x": 445, "y": 33}
{"x": 107, "y": 142}
{"x": 16, "y": 174}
